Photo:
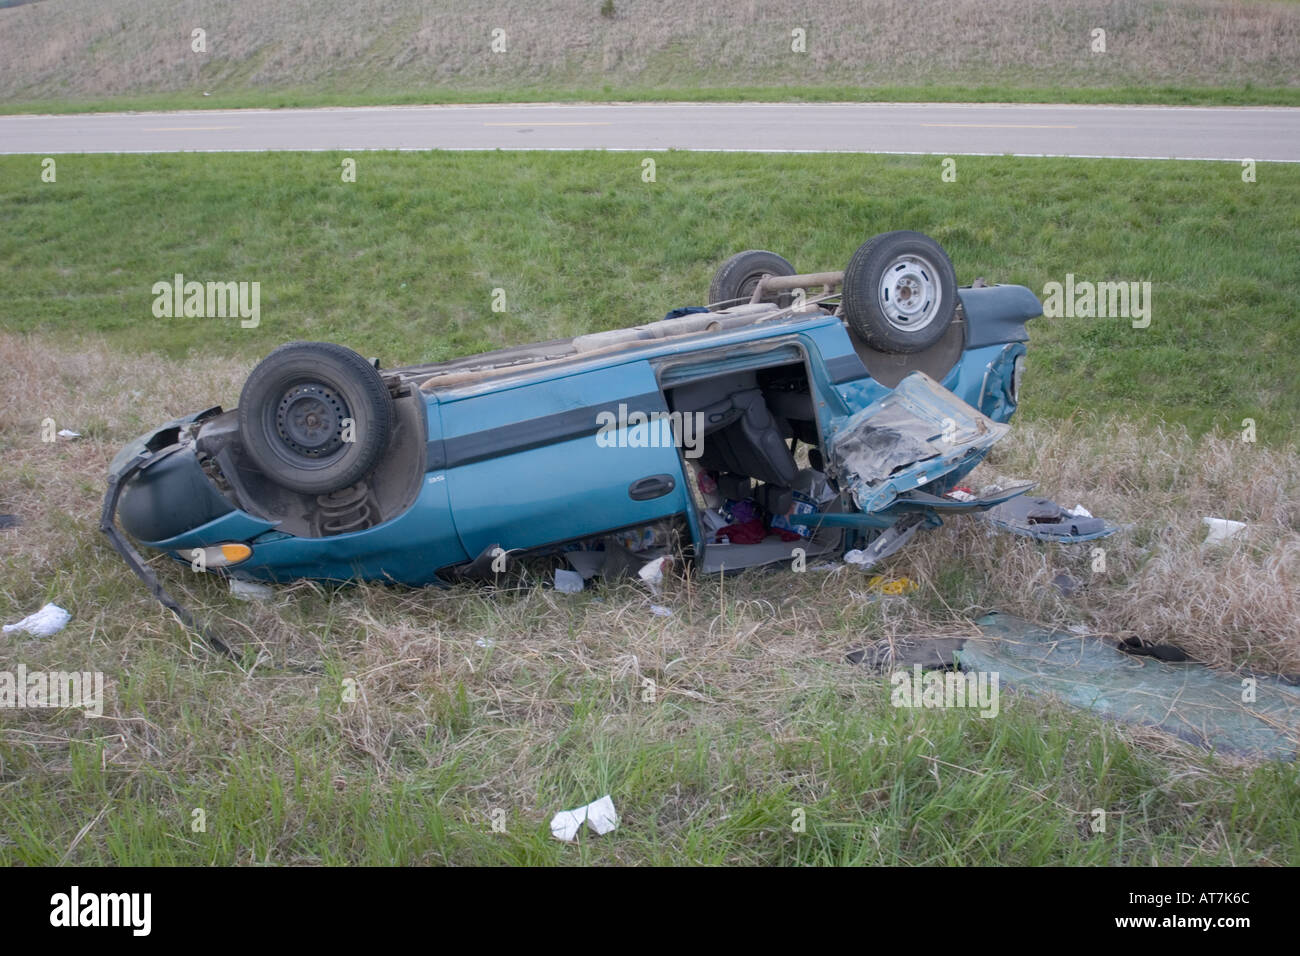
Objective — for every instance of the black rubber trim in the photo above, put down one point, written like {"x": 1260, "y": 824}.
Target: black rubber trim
{"x": 435, "y": 456}
{"x": 532, "y": 433}
{"x": 108, "y": 525}
{"x": 845, "y": 368}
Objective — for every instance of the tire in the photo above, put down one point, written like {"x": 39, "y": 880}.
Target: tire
{"x": 292, "y": 411}
{"x": 900, "y": 292}
{"x": 734, "y": 282}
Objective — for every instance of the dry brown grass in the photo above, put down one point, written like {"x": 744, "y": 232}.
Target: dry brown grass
{"x": 502, "y": 725}
{"x": 1231, "y": 606}
{"x": 61, "y": 48}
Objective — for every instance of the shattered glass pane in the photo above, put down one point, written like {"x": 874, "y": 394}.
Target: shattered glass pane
{"x": 1191, "y": 701}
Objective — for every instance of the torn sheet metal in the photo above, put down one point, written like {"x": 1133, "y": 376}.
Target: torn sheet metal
{"x": 1221, "y": 530}
{"x": 887, "y": 542}
{"x": 918, "y": 432}
{"x": 1045, "y": 520}
{"x": 1191, "y": 701}
{"x": 923, "y": 501}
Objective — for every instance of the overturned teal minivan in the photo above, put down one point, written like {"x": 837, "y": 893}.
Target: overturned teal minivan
{"x": 821, "y": 411}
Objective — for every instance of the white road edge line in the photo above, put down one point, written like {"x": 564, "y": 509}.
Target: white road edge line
{"x": 632, "y": 149}
{"x": 1131, "y": 107}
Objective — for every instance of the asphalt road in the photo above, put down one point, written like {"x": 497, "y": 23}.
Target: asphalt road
{"x": 1155, "y": 132}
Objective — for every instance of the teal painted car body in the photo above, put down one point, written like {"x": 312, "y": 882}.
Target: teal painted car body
{"x": 513, "y": 460}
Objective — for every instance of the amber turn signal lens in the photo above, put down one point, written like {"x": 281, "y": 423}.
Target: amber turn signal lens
{"x": 234, "y": 553}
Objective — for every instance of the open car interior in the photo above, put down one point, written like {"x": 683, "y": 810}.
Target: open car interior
{"x": 748, "y": 486}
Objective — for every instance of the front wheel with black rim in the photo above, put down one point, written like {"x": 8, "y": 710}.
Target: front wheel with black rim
{"x": 315, "y": 417}
{"x": 900, "y": 292}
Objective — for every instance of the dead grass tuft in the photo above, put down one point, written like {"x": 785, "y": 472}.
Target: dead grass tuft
{"x": 528, "y": 687}
{"x": 63, "y": 49}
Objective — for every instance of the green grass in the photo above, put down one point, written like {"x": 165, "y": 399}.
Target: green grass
{"x": 402, "y": 263}
{"x": 285, "y": 772}
{"x": 756, "y": 716}
{"x": 1246, "y": 95}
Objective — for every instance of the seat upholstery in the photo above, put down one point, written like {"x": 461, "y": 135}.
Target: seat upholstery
{"x": 742, "y": 437}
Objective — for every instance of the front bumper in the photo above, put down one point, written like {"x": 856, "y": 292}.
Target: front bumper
{"x": 135, "y": 460}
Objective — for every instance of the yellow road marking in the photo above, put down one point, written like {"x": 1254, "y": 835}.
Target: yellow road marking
{"x": 546, "y": 124}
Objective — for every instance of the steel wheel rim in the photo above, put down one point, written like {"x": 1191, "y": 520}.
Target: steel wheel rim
{"x": 309, "y": 420}
{"x": 909, "y": 292}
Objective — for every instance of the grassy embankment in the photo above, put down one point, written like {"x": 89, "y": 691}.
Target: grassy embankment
{"x": 754, "y": 715}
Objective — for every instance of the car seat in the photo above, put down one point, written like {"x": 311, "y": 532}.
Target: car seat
{"x": 741, "y": 437}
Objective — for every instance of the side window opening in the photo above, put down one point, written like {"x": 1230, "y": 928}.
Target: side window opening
{"x": 757, "y": 468}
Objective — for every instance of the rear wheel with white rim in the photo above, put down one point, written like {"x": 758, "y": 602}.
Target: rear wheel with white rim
{"x": 900, "y": 291}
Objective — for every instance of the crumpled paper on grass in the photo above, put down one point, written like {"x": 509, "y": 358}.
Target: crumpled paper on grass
{"x": 48, "y": 620}
{"x": 599, "y": 815}
{"x": 1221, "y": 530}
{"x": 652, "y": 573}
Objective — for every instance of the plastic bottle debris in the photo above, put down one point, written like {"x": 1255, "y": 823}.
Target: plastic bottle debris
{"x": 652, "y": 573}
{"x": 1221, "y": 530}
{"x": 48, "y": 620}
{"x": 712, "y": 521}
{"x": 568, "y": 582}
{"x": 249, "y": 590}
{"x": 599, "y": 815}
{"x": 68, "y": 433}
{"x": 644, "y": 538}
{"x": 658, "y": 610}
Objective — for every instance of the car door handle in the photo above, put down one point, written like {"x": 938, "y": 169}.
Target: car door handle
{"x": 655, "y": 486}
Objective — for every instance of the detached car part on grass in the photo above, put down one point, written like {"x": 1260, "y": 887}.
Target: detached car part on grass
{"x": 895, "y": 380}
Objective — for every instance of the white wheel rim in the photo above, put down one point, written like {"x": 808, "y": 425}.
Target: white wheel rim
{"x": 909, "y": 293}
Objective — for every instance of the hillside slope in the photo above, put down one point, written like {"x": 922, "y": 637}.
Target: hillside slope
{"x": 66, "y": 50}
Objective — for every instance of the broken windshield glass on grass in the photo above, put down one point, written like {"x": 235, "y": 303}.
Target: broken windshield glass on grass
{"x": 1244, "y": 715}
